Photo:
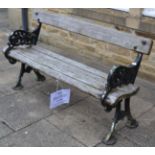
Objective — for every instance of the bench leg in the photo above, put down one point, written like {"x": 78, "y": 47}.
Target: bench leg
{"x": 131, "y": 122}
{"x": 110, "y": 139}
{"x": 19, "y": 85}
{"x": 27, "y": 69}
{"x": 40, "y": 77}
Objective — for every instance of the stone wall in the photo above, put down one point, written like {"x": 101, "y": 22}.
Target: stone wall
{"x": 133, "y": 22}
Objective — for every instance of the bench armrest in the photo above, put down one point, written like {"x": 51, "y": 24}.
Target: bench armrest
{"x": 21, "y": 37}
{"x": 121, "y": 75}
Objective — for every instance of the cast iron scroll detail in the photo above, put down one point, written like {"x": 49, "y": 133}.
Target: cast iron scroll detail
{"x": 21, "y": 37}
{"x": 120, "y": 75}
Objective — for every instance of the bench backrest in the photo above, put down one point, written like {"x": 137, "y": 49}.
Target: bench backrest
{"x": 96, "y": 31}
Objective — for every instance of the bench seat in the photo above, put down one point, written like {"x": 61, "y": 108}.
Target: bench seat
{"x": 86, "y": 78}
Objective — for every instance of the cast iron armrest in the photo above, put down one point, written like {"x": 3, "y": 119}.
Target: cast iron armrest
{"x": 21, "y": 37}
{"x": 120, "y": 75}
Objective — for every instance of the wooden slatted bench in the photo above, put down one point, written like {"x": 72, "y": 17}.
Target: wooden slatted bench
{"x": 112, "y": 89}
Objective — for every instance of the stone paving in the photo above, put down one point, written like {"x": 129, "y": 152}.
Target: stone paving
{"x": 26, "y": 120}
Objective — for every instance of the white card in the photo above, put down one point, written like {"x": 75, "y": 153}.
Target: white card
{"x": 59, "y": 97}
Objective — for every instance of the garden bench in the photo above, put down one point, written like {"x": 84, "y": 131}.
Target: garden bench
{"x": 111, "y": 89}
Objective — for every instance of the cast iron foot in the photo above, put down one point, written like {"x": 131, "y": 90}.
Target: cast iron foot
{"x": 132, "y": 124}
{"x": 109, "y": 141}
{"x": 41, "y": 78}
{"x": 18, "y": 87}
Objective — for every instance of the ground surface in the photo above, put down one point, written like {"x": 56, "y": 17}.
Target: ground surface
{"x": 26, "y": 120}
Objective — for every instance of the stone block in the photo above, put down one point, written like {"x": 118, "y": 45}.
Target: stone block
{"x": 132, "y": 22}
{"x": 135, "y": 12}
{"x": 4, "y": 130}
{"x": 15, "y": 20}
{"x": 22, "y": 109}
{"x": 40, "y": 134}
{"x": 119, "y": 59}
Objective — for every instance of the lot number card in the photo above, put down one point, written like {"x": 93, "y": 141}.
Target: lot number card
{"x": 59, "y": 97}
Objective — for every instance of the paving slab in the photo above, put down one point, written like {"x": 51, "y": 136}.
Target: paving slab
{"x": 5, "y": 65}
{"x": 4, "y": 130}
{"x": 139, "y": 106}
{"x": 86, "y": 121}
{"x": 7, "y": 81}
{"x": 2, "y": 58}
{"x": 1, "y": 94}
{"x": 144, "y": 135}
{"x": 22, "y": 109}
{"x": 147, "y": 118}
{"x": 8, "y": 76}
{"x": 30, "y": 104}
{"x": 40, "y": 134}
{"x": 147, "y": 90}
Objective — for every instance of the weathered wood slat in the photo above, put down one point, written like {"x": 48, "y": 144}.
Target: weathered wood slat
{"x": 69, "y": 61}
{"x": 64, "y": 68}
{"x": 121, "y": 92}
{"x": 96, "y": 31}
{"x": 86, "y": 88}
{"x": 72, "y": 70}
{"x": 104, "y": 15}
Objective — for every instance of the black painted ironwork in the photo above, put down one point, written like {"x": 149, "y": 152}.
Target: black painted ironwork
{"x": 27, "y": 69}
{"x": 110, "y": 139}
{"x": 6, "y": 54}
{"x": 120, "y": 114}
{"x": 120, "y": 75}
{"x": 40, "y": 77}
{"x": 131, "y": 122}
{"x": 21, "y": 74}
{"x": 21, "y": 37}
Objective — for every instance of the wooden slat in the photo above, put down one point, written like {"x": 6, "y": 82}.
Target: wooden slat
{"x": 103, "y": 15}
{"x": 84, "y": 87}
{"x": 64, "y": 68}
{"x": 69, "y": 61}
{"x": 121, "y": 92}
{"x": 96, "y": 31}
